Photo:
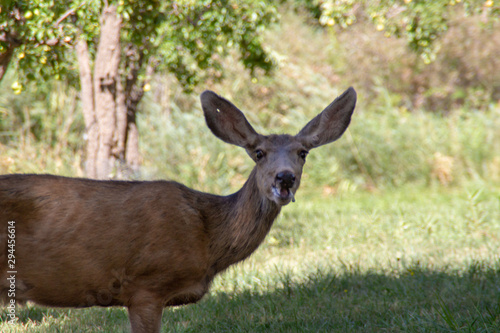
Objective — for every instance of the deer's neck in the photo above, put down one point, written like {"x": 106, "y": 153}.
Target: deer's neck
{"x": 239, "y": 223}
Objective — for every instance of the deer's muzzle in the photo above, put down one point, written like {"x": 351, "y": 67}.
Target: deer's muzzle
{"x": 282, "y": 187}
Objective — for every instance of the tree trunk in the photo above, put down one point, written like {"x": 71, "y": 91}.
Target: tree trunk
{"x": 10, "y": 42}
{"x": 5, "y": 58}
{"x": 133, "y": 158}
{"x": 105, "y": 88}
{"x": 87, "y": 97}
{"x": 109, "y": 99}
{"x": 134, "y": 93}
{"x": 121, "y": 122}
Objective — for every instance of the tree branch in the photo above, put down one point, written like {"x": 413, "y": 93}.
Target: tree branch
{"x": 68, "y": 13}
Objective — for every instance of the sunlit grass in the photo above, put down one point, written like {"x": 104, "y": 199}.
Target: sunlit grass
{"x": 411, "y": 259}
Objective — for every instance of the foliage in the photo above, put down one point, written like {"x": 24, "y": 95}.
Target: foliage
{"x": 381, "y": 149}
{"x": 463, "y": 74}
{"x": 40, "y": 130}
{"x": 386, "y": 146}
{"x": 138, "y": 38}
{"x": 183, "y": 36}
{"x": 198, "y": 34}
{"x": 420, "y": 22}
{"x": 41, "y": 36}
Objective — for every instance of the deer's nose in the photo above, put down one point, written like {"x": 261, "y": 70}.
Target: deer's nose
{"x": 285, "y": 179}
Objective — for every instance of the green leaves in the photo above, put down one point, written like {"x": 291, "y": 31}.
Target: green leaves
{"x": 41, "y": 33}
{"x": 184, "y": 37}
{"x": 196, "y": 35}
{"x": 420, "y": 22}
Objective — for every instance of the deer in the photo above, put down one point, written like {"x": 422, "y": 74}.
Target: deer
{"x": 148, "y": 245}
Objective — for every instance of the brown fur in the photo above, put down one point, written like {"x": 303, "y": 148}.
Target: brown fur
{"x": 147, "y": 245}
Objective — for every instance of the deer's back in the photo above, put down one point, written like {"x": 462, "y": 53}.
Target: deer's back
{"x": 83, "y": 242}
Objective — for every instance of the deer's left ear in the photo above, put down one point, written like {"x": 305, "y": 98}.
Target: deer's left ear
{"x": 227, "y": 122}
{"x": 331, "y": 123}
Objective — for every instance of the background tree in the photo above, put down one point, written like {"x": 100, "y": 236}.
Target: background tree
{"x": 111, "y": 49}
{"x": 420, "y": 22}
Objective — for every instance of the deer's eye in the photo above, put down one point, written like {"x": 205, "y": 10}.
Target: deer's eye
{"x": 259, "y": 154}
{"x": 303, "y": 154}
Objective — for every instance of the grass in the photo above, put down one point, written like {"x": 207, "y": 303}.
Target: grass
{"x": 405, "y": 260}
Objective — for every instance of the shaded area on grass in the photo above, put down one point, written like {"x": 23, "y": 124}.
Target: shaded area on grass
{"x": 411, "y": 298}
{"x": 34, "y": 318}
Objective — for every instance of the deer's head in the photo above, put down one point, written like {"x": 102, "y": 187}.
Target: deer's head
{"x": 279, "y": 158}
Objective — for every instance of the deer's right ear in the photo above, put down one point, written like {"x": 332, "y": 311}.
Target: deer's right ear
{"x": 227, "y": 122}
{"x": 330, "y": 124}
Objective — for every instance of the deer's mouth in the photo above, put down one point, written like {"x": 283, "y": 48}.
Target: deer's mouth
{"x": 282, "y": 194}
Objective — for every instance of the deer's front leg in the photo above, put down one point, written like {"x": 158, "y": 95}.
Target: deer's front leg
{"x": 145, "y": 312}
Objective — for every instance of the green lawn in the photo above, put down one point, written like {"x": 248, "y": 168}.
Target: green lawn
{"x": 403, "y": 260}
